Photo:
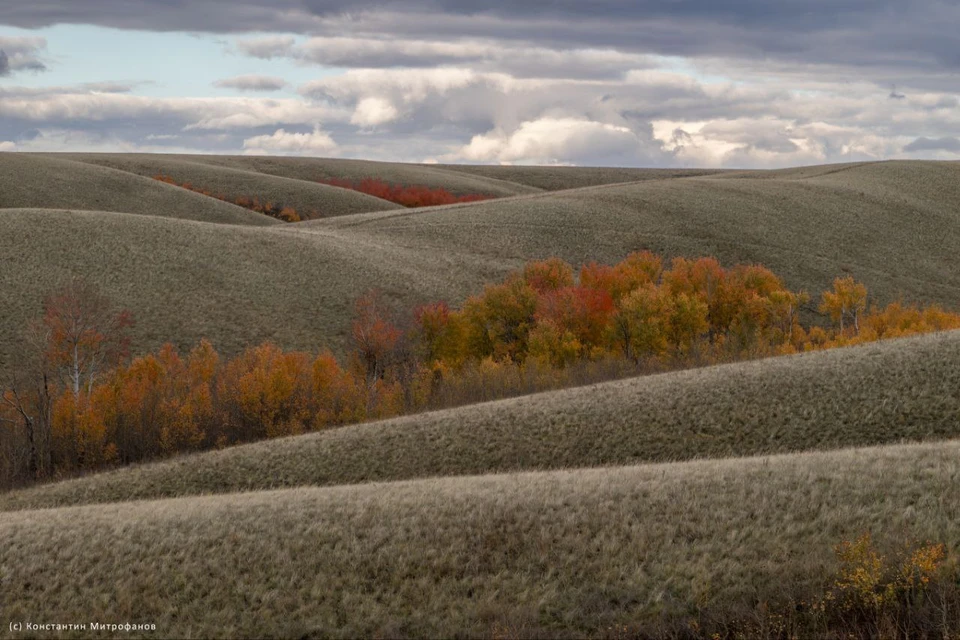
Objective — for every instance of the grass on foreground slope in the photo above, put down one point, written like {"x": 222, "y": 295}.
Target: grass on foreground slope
{"x": 51, "y": 182}
{"x": 312, "y": 169}
{"x": 900, "y": 239}
{"x": 551, "y": 554}
{"x": 309, "y": 198}
{"x": 879, "y": 393}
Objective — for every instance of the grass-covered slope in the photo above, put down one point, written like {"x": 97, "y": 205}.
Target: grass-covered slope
{"x": 235, "y": 285}
{"x": 543, "y": 554}
{"x": 895, "y": 226}
{"x": 53, "y": 182}
{"x": 559, "y": 178}
{"x": 312, "y": 169}
{"x": 296, "y": 283}
{"x": 902, "y": 390}
{"x": 310, "y": 198}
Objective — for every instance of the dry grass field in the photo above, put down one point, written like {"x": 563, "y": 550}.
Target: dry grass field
{"x": 658, "y": 506}
{"x": 52, "y": 182}
{"x": 245, "y": 285}
{"x": 904, "y": 390}
{"x": 558, "y": 554}
{"x": 308, "y": 170}
{"x": 892, "y": 225}
{"x": 561, "y": 178}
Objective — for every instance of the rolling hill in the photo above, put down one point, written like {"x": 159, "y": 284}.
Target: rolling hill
{"x": 307, "y": 170}
{"x": 881, "y": 393}
{"x": 607, "y": 552}
{"x": 892, "y": 225}
{"x": 678, "y": 504}
{"x": 52, "y": 182}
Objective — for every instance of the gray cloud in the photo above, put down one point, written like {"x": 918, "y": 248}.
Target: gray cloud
{"x": 252, "y": 83}
{"x": 934, "y": 144}
{"x": 754, "y": 83}
{"x": 21, "y": 53}
{"x": 267, "y": 47}
{"x": 522, "y": 61}
{"x": 875, "y": 35}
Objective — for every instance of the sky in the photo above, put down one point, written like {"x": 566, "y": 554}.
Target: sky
{"x": 678, "y": 83}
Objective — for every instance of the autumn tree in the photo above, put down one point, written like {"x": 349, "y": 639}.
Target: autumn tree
{"x": 85, "y": 336}
{"x": 548, "y": 275}
{"x": 374, "y": 336}
{"x": 848, "y": 300}
{"x": 500, "y": 319}
{"x": 641, "y": 324}
{"x": 78, "y": 338}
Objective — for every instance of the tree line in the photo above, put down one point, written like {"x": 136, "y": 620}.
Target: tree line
{"x": 76, "y": 401}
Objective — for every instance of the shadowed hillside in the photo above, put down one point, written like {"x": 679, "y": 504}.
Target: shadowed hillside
{"x": 899, "y": 390}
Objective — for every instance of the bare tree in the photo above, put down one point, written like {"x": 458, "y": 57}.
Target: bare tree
{"x": 84, "y": 334}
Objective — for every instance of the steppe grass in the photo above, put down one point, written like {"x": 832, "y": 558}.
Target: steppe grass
{"x": 234, "y": 285}
{"x": 53, "y": 182}
{"x": 889, "y": 392}
{"x": 311, "y": 199}
{"x": 296, "y": 285}
{"x": 900, "y": 240}
{"x": 558, "y": 178}
{"x": 613, "y": 552}
{"x": 313, "y": 169}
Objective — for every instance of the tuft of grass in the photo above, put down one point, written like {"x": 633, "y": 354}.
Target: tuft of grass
{"x": 888, "y": 392}
{"x": 657, "y": 550}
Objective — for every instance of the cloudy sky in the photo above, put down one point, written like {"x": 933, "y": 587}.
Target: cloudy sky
{"x": 684, "y": 83}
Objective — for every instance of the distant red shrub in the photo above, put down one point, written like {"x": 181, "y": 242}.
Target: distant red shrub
{"x": 278, "y": 211}
{"x": 406, "y": 195}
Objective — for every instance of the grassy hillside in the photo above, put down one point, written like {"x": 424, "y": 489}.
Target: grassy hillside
{"x": 902, "y": 390}
{"x": 540, "y": 554}
{"x": 309, "y": 198}
{"x": 235, "y": 285}
{"x": 560, "y": 178}
{"x": 53, "y": 182}
{"x": 310, "y": 170}
{"x": 895, "y": 226}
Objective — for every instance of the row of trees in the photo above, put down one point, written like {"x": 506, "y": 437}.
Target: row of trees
{"x": 407, "y": 195}
{"x": 274, "y": 210}
{"x": 77, "y": 401}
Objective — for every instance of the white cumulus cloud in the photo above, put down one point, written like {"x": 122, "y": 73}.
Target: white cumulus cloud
{"x": 371, "y": 112}
{"x": 551, "y": 140}
{"x": 283, "y": 142}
